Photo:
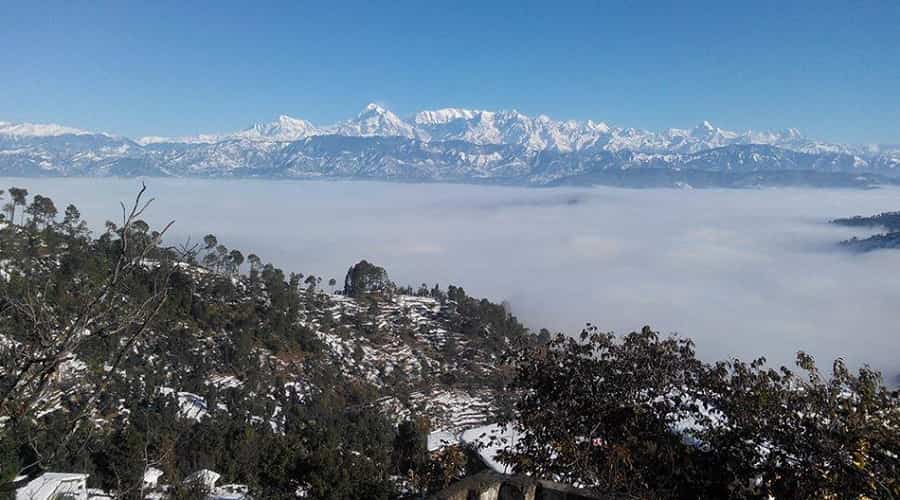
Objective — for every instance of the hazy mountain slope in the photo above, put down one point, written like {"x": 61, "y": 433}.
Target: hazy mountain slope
{"x": 889, "y": 222}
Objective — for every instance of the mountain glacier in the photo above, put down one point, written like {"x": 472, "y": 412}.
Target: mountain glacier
{"x": 456, "y": 145}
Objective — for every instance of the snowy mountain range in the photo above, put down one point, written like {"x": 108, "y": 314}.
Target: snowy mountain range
{"x": 459, "y": 145}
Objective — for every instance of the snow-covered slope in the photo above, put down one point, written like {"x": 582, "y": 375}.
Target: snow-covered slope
{"x": 409, "y": 348}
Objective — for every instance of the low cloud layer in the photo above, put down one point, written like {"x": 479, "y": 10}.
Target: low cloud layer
{"x": 747, "y": 273}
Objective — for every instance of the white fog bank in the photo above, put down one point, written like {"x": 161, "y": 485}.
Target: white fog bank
{"x": 743, "y": 272}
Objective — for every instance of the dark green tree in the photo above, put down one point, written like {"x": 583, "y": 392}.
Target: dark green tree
{"x": 235, "y": 260}
{"x": 410, "y": 452}
{"x": 42, "y": 210}
{"x": 364, "y": 278}
{"x": 19, "y": 198}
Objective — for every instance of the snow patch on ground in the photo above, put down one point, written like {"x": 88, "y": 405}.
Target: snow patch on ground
{"x": 488, "y": 440}
{"x": 190, "y": 405}
{"x": 441, "y": 439}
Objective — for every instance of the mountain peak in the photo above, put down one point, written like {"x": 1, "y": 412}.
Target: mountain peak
{"x": 375, "y": 120}
{"x": 601, "y": 127}
{"x": 289, "y": 119}
{"x": 444, "y": 115}
{"x": 704, "y": 131}
{"x": 373, "y": 108}
{"x": 793, "y": 133}
{"x": 284, "y": 129}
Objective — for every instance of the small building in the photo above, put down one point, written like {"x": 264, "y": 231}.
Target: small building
{"x": 205, "y": 478}
{"x": 151, "y": 477}
{"x": 55, "y": 486}
{"x": 437, "y": 440}
{"x": 230, "y": 492}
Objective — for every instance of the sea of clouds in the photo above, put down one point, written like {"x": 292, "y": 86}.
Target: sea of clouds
{"x": 742, "y": 272}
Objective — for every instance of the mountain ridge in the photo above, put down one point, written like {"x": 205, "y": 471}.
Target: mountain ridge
{"x": 458, "y": 145}
{"x": 394, "y": 125}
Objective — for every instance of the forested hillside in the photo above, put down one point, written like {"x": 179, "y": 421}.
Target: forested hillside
{"x": 121, "y": 352}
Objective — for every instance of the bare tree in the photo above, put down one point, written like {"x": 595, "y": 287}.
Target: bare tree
{"x": 48, "y": 335}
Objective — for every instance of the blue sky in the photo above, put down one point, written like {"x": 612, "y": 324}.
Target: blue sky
{"x": 830, "y": 69}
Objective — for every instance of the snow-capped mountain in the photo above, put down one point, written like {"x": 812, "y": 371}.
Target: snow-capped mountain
{"x": 487, "y": 127}
{"x": 542, "y": 133}
{"x": 502, "y": 127}
{"x": 459, "y": 145}
{"x": 25, "y": 130}
{"x": 506, "y": 127}
{"x": 374, "y": 120}
{"x": 284, "y": 129}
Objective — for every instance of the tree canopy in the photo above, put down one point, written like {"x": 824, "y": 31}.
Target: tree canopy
{"x": 641, "y": 416}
